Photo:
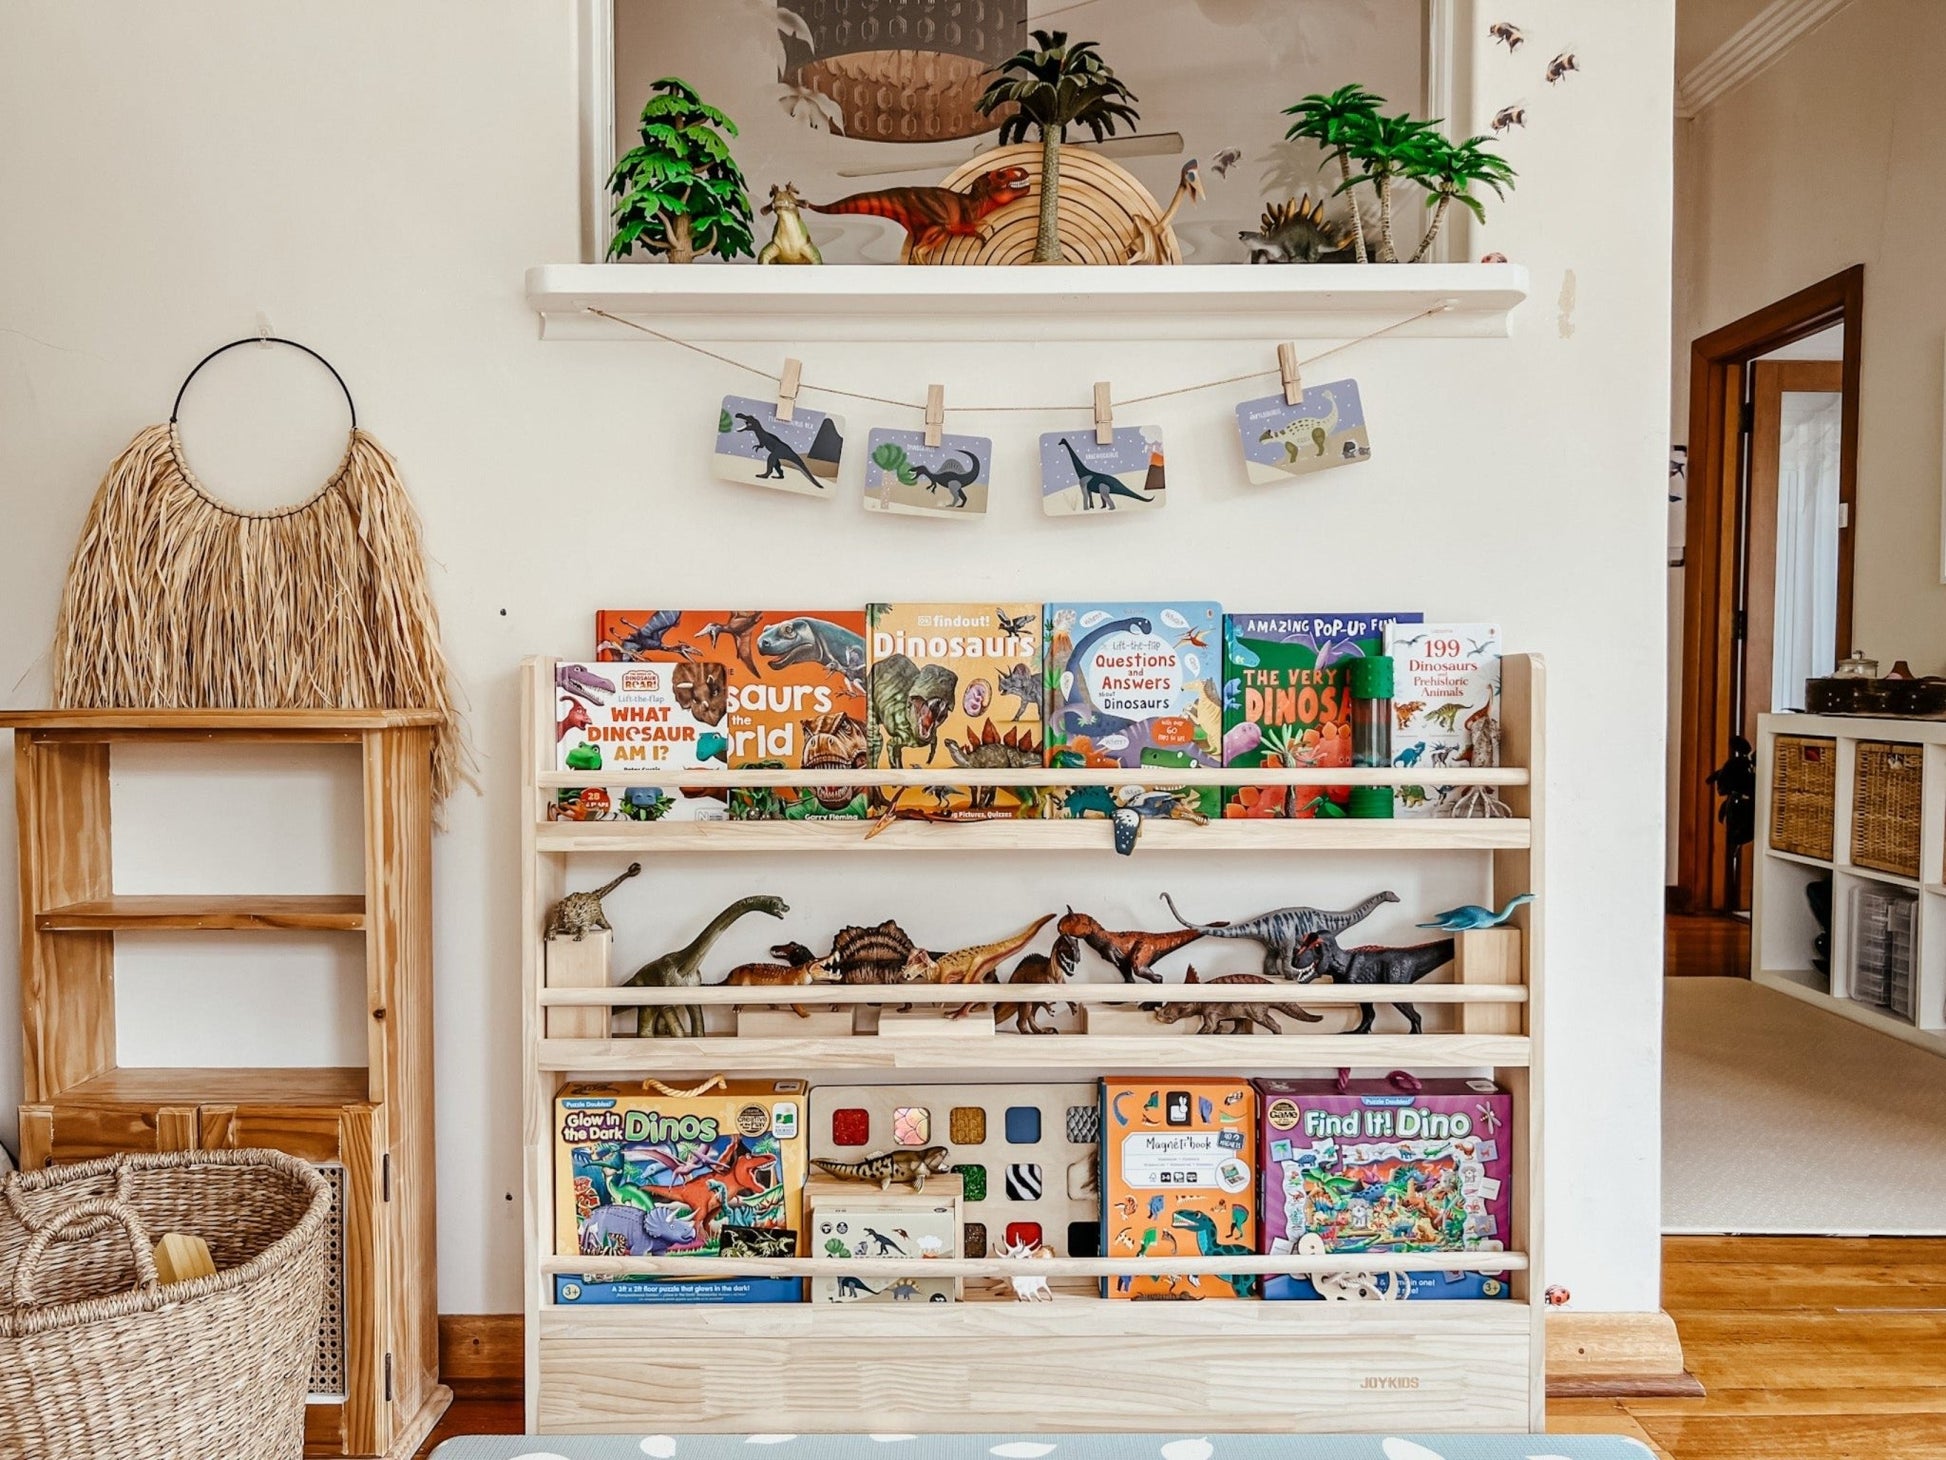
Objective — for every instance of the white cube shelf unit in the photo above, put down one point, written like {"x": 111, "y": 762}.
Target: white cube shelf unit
{"x": 1782, "y": 924}
{"x": 1081, "y": 1362}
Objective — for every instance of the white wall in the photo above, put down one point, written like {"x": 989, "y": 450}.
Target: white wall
{"x": 377, "y": 175}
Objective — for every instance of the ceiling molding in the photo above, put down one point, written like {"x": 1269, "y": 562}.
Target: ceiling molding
{"x": 1754, "y": 49}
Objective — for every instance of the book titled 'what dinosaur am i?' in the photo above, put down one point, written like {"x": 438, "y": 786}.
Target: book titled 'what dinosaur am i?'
{"x": 1287, "y": 702}
{"x": 1134, "y": 684}
{"x": 775, "y": 689}
{"x": 952, "y": 685}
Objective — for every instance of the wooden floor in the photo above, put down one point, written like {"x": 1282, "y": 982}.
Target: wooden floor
{"x": 1810, "y": 1348}
{"x": 1705, "y": 947}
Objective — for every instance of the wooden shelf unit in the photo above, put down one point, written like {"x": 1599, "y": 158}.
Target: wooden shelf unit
{"x": 369, "y": 1128}
{"x": 1781, "y": 925}
{"x": 1080, "y": 1362}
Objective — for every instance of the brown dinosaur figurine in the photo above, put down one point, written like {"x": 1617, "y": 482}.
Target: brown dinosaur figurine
{"x": 932, "y": 216}
{"x": 977, "y": 963}
{"x": 911, "y": 1166}
{"x": 1241, "y": 1018}
{"x": 1039, "y": 968}
{"x": 785, "y": 975}
{"x": 1131, "y": 954}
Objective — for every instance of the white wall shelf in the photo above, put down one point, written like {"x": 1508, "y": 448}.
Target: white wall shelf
{"x": 1054, "y": 302}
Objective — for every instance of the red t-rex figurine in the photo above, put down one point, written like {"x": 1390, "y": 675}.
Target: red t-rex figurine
{"x": 931, "y": 216}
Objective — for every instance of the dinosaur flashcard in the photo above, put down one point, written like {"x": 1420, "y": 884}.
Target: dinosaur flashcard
{"x": 640, "y": 717}
{"x": 1370, "y": 1167}
{"x": 1134, "y": 684}
{"x": 1286, "y": 702}
{"x": 1078, "y": 474}
{"x": 639, "y": 1174}
{"x": 798, "y": 455}
{"x": 1178, "y": 1177}
{"x": 793, "y": 692}
{"x": 954, "y": 685}
{"x": 903, "y": 474}
{"x": 1326, "y": 428}
{"x": 1446, "y": 692}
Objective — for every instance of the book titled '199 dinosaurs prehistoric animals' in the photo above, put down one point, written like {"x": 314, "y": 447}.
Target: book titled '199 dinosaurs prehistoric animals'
{"x": 1134, "y": 684}
{"x": 1446, "y": 689}
{"x": 1287, "y": 702}
{"x": 952, "y": 685}
{"x": 783, "y": 689}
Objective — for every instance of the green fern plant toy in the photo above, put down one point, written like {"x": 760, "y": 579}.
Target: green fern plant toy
{"x": 679, "y": 194}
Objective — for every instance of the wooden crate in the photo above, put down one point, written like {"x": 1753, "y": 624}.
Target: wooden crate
{"x": 1885, "y": 801}
{"x": 1804, "y": 796}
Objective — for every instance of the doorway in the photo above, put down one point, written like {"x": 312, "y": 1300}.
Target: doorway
{"x": 1773, "y": 465}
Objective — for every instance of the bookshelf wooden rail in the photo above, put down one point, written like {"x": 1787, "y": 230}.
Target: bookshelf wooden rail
{"x": 1458, "y": 1365}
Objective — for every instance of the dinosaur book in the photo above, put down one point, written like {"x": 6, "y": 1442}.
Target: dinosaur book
{"x": 798, "y": 455}
{"x": 1178, "y": 1176}
{"x": 1079, "y": 474}
{"x": 638, "y": 717}
{"x": 792, "y": 692}
{"x": 1380, "y": 1169}
{"x": 954, "y": 685}
{"x": 1445, "y": 690}
{"x": 903, "y": 474}
{"x": 1134, "y": 684}
{"x": 1326, "y": 428}
{"x": 639, "y": 1174}
{"x": 1287, "y": 702}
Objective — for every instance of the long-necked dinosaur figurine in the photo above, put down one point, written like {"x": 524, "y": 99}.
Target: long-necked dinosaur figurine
{"x": 683, "y": 968}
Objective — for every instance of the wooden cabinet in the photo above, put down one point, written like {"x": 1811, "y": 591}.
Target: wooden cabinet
{"x": 368, "y": 1129}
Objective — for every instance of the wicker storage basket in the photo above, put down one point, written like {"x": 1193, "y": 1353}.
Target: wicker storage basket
{"x": 1803, "y": 795}
{"x": 98, "y": 1360}
{"x": 1885, "y": 807}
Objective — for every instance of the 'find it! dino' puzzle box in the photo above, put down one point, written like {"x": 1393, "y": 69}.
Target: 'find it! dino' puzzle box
{"x": 1377, "y": 1168}
{"x": 1178, "y": 1176}
{"x": 640, "y": 1174}
{"x": 954, "y": 685}
{"x": 782, "y": 689}
{"x": 1134, "y": 684}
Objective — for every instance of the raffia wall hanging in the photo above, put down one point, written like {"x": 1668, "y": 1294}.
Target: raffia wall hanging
{"x": 177, "y": 600}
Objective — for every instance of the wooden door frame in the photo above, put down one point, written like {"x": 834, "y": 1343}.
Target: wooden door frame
{"x": 1718, "y": 368}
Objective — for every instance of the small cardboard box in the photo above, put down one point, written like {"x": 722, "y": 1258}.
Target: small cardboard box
{"x": 852, "y": 1219}
{"x": 1178, "y": 1175}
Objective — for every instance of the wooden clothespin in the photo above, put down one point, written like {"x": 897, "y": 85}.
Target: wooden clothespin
{"x": 935, "y": 413}
{"x": 1287, "y": 367}
{"x": 1104, "y": 416}
{"x": 787, "y": 389}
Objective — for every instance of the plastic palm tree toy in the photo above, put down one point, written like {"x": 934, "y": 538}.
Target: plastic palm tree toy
{"x": 1330, "y": 121}
{"x": 680, "y": 193}
{"x": 1449, "y": 171}
{"x": 1054, "y": 85}
{"x": 1387, "y": 148}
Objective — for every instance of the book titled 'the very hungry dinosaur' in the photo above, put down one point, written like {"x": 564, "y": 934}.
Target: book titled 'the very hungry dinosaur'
{"x": 954, "y": 685}
{"x": 1287, "y": 701}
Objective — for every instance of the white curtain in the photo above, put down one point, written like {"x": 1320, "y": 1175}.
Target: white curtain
{"x": 1807, "y": 545}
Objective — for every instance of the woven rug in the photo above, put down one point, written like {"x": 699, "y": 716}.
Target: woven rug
{"x": 1781, "y": 1118}
{"x": 1042, "y": 1447}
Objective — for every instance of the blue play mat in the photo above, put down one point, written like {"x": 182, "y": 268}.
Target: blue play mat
{"x": 1042, "y": 1447}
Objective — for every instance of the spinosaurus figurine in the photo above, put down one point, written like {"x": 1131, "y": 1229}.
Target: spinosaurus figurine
{"x": 579, "y": 913}
{"x": 682, "y": 968}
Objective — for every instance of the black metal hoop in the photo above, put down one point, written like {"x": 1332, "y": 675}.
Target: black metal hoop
{"x": 350, "y": 404}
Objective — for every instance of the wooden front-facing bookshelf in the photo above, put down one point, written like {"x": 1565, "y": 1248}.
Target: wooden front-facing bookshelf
{"x": 368, "y": 1128}
{"x": 1079, "y": 1362}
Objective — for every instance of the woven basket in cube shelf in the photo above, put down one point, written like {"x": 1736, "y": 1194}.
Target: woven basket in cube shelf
{"x": 1803, "y": 795}
{"x": 1885, "y": 807}
{"x": 99, "y": 1358}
